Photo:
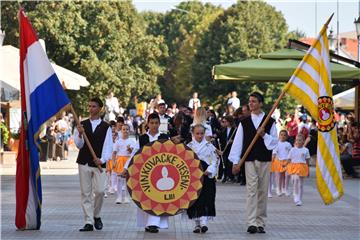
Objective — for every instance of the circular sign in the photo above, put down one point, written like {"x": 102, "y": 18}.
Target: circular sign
{"x": 164, "y": 178}
{"x": 326, "y": 120}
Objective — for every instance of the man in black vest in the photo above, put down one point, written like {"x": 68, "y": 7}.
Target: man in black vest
{"x": 257, "y": 164}
{"x": 92, "y": 181}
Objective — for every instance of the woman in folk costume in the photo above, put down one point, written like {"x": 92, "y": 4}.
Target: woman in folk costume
{"x": 204, "y": 207}
{"x": 298, "y": 167}
{"x": 123, "y": 148}
{"x": 279, "y": 163}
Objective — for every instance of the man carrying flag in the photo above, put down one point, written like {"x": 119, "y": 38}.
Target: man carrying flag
{"x": 311, "y": 85}
{"x": 42, "y": 97}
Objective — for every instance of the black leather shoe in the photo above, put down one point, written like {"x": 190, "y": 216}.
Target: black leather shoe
{"x": 197, "y": 229}
{"x": 261, "y": 230}
{"x": 152, "y": 229}
{"x": 87, "y": 228}
{"x": 204, "y": 229}
{"x": 98, "y": 223}
{"x": 252, "y": 229}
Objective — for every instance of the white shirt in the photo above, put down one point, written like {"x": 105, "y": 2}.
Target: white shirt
{"x": 120, "y": 146}
{"x": 137, "y": 147}
{"x": 106, "y": 153}
{"x": 164, "y": 122}
{"x": 112, "y": 107}
{"x": 299, "y": 155}
{"x": 206, "y": 152}
{"x": 234, "y": 102}
{"x": 270, "y": 140}
{"x": 194, "y": 101}
{"x": 282, "y": 150}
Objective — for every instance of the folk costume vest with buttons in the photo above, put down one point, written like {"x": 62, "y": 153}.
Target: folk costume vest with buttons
{"x": 97, "y": 139}
{"x": 259, "y": 151}
{"x": 144, "y": 139}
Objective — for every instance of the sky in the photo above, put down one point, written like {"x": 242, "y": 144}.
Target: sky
{"x": 305, "y": 15}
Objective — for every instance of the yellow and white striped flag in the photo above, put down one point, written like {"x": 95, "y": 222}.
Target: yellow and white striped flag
{"x": 311, "y": 86}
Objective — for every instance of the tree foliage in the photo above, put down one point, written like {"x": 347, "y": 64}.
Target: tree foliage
{"x": 243, "y": 31}
{"x": 104, "y": 41}
{"x": 142, "y": 54}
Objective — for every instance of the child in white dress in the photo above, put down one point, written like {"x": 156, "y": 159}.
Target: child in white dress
{"x": 298, "y": 167}
{"x": 279, "y": 163}
{"x": 204, "y": 207}
{"x": 122, "y": 150}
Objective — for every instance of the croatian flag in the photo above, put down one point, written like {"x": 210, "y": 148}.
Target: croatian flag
{"x": 42, "y": 97}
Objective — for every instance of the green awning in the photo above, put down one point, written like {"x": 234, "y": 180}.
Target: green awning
{"x": 277, "y": 67}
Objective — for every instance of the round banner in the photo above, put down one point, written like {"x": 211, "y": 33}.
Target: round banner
{"x": 326, "y": 119}
{"x": 164, "y": 178}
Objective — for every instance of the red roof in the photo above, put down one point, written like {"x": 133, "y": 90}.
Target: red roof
{"x": 349, "y": 45}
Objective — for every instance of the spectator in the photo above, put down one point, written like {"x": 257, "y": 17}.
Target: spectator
{"x": 234, "y": 101}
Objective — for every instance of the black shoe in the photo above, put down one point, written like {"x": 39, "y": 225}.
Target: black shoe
{"x": 252, "y": 229}
{"x": 242, "y": 183}
{"x": 224, "y": 180}
{"x": 204, "y": 229}
{"x": 87, "y": 228}
{"x": 261, "y": 230}
{"x": 197, "y": 229}
{"x": 98, "y": 223}
{"x": 152, "y": 229}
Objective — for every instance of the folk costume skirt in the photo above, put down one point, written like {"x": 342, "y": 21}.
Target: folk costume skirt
{"x": 301, "y": 169}
{"x": 119, "y": 165}
{"x": 205, "y": 204}
{"x": 279, "y": 165}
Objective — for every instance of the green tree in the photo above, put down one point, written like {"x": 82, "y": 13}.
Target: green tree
{"x": 104, "y": 41}
{"x": 182, "y": 28}
{"x": 245, "y": 30}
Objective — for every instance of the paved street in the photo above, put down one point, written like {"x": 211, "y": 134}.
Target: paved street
{"x": 62, "y": 214}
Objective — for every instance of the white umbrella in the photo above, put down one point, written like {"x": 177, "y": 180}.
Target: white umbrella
{"x": 10, "y": 75}
{"x": 345, "y": 100}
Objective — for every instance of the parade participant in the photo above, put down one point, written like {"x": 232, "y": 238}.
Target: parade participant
{"x": 200, "y": 118}
{"x": 123, "y": 147}
{"x": 226, "y": 140}
{"x": 257, "y": 164}
{"x": 204, "y": 207}
{"x": 164, "y": 118}
{"x": 279, "y": 163}
{"x": 109, "y": 163}
{"x": 150, "y": 222}
{"x": 92, "y": 180}
{"x": 298, "y": 167}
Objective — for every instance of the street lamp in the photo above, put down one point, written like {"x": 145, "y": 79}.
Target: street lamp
{"x": 332, "y": 40}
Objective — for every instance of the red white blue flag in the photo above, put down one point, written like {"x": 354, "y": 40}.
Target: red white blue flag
{"x": 42, "y": 97}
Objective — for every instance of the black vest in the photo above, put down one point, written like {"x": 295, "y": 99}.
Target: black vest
{"x": 259, "y": 151}
{"x": 144, "y": 139}
{"x": 97, "y": 139}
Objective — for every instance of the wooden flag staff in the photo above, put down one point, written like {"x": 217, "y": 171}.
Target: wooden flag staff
{"x": 93, "y": 154}
{"x": 236, "y": 167}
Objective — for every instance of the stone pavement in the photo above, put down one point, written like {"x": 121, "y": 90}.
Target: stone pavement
{"x": 62, "y": 215}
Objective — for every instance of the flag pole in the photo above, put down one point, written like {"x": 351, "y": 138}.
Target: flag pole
{"x": 236, "y": 167}
{"x": 85, "y": 137}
